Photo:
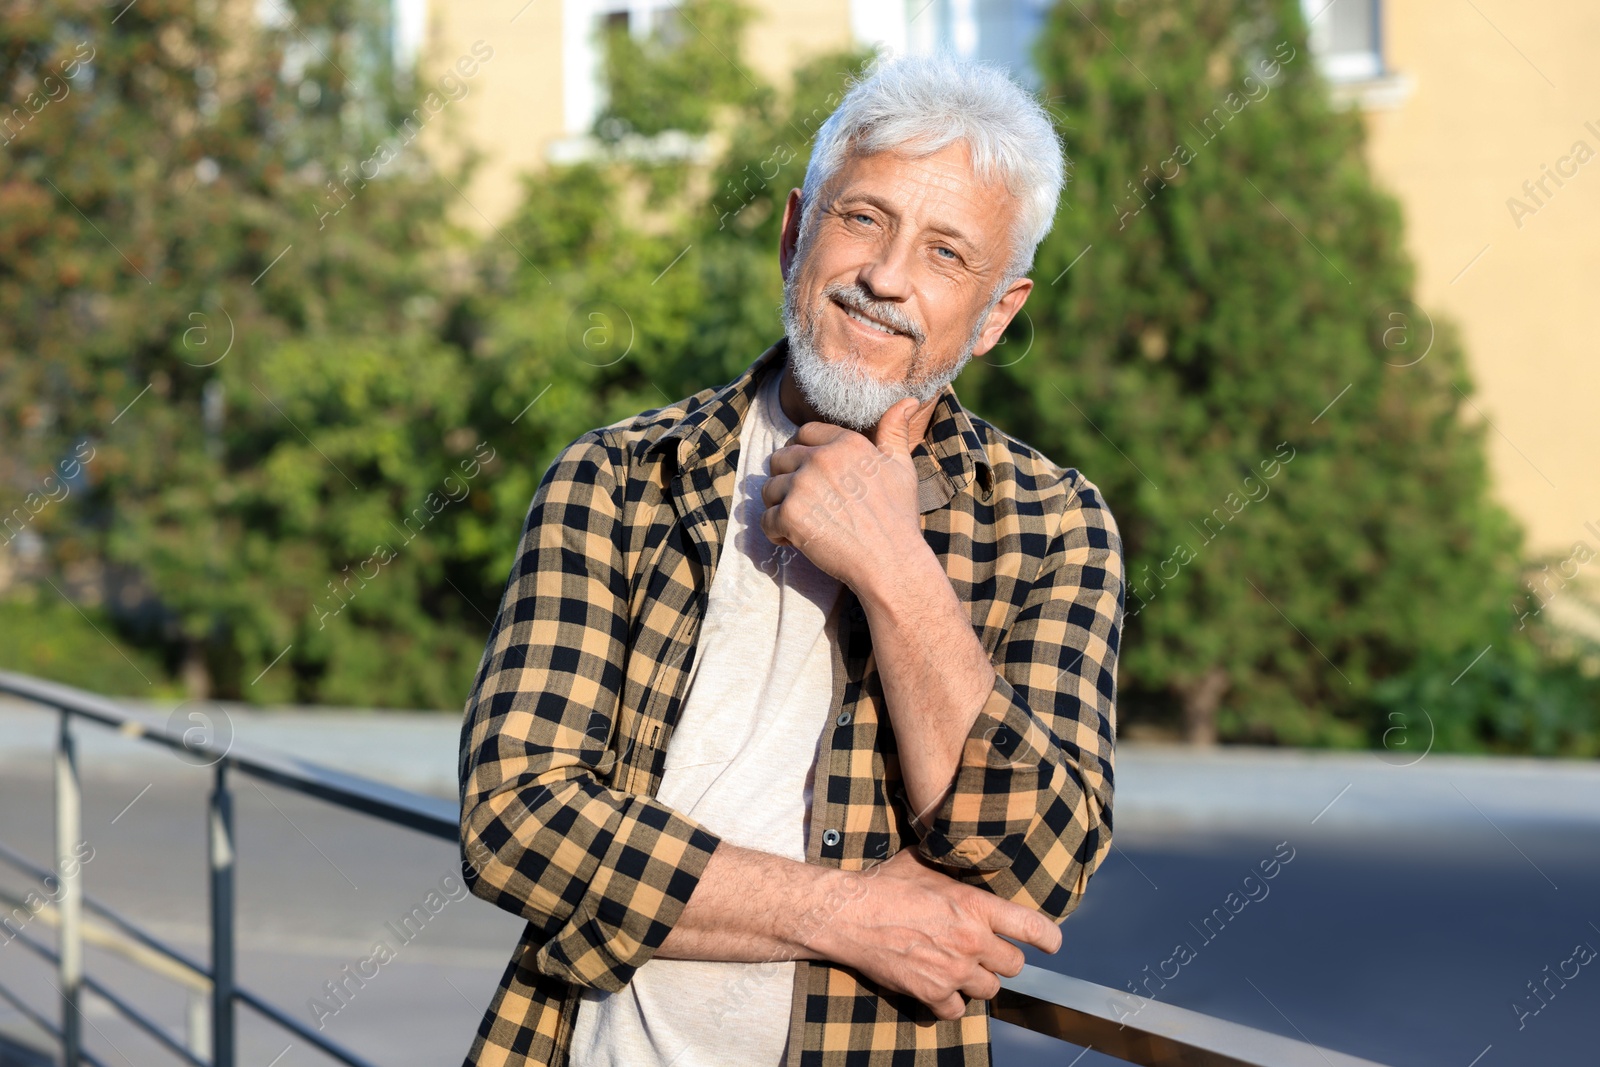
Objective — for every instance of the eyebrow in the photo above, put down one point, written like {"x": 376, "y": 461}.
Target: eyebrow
{"x": 889, "y": 209}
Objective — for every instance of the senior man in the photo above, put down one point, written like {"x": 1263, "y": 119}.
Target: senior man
{"x": 800, "y": 703}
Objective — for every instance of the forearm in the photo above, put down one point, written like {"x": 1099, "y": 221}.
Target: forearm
{"x": 902, "y": 924}
{"x": 935, "y": 673}
{"x": 754, "y": 907}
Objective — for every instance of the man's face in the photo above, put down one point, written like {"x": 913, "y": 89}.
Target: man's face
{"x": 897, "y": 282}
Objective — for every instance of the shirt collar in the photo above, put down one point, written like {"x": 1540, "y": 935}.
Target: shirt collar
{"x": 950, "y": 456}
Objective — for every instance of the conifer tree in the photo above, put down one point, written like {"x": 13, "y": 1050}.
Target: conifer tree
{"x": 1223, "y": 337}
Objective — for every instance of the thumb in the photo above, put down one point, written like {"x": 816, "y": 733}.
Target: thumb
{"x": 893, "y": 432}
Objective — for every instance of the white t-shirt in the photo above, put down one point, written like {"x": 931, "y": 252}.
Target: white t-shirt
{"x": 739, "y": 762}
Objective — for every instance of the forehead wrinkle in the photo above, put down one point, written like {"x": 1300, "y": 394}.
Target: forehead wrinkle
{"x": 954, "y": 191}
{"x": 894, "y": 211}
{"x": 944, "y": 177}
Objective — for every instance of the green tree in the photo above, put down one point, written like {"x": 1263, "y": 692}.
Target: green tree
{"x": 219, "y": 268}
{"x": 1223, "y": 338}
{"x": 680, "y": 75}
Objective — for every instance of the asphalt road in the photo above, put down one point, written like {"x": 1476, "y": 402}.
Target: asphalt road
{"x": 1409, "y": 942}
{"x": 1407, "y": 948}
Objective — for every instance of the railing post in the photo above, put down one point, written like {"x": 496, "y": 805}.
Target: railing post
{"x": 220, "y": 817}
{"x": 69, "y": 872}
{"x": 200, "y": 1025}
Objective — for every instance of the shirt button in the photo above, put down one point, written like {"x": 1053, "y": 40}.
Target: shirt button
{"x": 843, "y": 719}
{"x": 830, "y": 837}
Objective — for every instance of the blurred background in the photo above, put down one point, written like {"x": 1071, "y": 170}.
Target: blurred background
{"x": 299, "y": 299}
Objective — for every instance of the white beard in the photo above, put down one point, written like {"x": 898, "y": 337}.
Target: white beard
{"x": 843, "y": 390}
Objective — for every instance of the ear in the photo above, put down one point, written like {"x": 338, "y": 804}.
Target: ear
{"x": 789, "y": 237}
{"x": 1000, "y": 316}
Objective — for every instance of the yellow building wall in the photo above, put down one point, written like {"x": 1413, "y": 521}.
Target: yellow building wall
{"x": 513, "y": 107}
{"x": 1500, "y": 90}
{"x": 785, "y": 34}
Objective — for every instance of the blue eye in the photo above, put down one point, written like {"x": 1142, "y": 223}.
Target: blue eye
{"x": 867, "y": 218}
{"x": 946, "y": 251}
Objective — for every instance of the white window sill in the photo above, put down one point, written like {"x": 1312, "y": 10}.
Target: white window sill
{"x": 1385, "y": 92}
{"x": 670, "y": 146}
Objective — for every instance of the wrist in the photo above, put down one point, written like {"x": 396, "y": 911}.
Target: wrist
{"x": 906, "y": 580}
{"x": 825, "y": 930}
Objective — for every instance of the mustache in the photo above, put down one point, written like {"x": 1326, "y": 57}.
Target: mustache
{"x": 852, "y": 297}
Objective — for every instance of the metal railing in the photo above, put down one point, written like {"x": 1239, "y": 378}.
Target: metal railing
{"x": 1070, "y": 1009}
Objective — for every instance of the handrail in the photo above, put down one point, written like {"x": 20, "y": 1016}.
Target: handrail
{"x": 214, "y": 1044}
{"x": 26, "y": 1011}
{"x": 428, "y": 815}
{"x": 1084, "y": 1013}
{"x": 117, "y": 943}
{"x": 1059, "y": 1006}
{"x": 124, "y": 937}
{"x": 132, "y": 1014}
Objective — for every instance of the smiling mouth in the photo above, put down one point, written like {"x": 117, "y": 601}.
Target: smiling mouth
{"x": 872, "y": 324}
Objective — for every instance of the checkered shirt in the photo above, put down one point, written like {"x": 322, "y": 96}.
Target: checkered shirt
{"x": 566, "y": 730}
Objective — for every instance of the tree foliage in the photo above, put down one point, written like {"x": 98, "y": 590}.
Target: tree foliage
{"x": 211, "y": 277}
{"x": 315, "y": 415}
{"x": 1223, "y": 337}
{"x": 679, "y": 74}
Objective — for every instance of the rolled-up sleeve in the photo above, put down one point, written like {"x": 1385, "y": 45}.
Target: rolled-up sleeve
{"x": 602, "y": 875}
{"x": 1029, "y": 816}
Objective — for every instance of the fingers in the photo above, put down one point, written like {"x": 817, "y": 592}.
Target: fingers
{"x": 769, "y": 526}
{"x": 788, "y": 458}
{"x": 951, "y": 1007}
{"x": 818, "y": 433}
{"x": 785, "y": 529}
{"x": 1002, "y": 958}
{"x": 980, "y": 985}
{"x": 983, "y": 985}
{"x": 1023, "y": 924}
{"x": 775, "y": 488}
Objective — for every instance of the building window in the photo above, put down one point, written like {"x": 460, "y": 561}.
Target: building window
{"x": 640, "y": 17}
{"x": 584, "y": 24}
{"x": 999, "y": 32}
{"x": 1345, "y": 35}
{"x": 1007, "y": 30}
{"x": 408, "y": 21}
{"x": 1346, "y": 38}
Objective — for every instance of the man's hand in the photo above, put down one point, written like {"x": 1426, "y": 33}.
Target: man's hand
{"x": 918, "y": 931}
{"x": 850, "y": 504}
{"x": 903, "y": 923}
{"x": 847, "y": 501}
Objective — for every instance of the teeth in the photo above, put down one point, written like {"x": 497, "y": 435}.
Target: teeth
{"x": 868, "y": 322}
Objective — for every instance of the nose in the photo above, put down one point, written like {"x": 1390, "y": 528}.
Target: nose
{"x": 887, "y": 275}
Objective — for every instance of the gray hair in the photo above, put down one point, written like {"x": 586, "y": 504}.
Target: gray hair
{"x": 920, "y": 104}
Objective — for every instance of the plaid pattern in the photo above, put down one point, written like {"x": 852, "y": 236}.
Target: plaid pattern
{"x": 566, "y": 730}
